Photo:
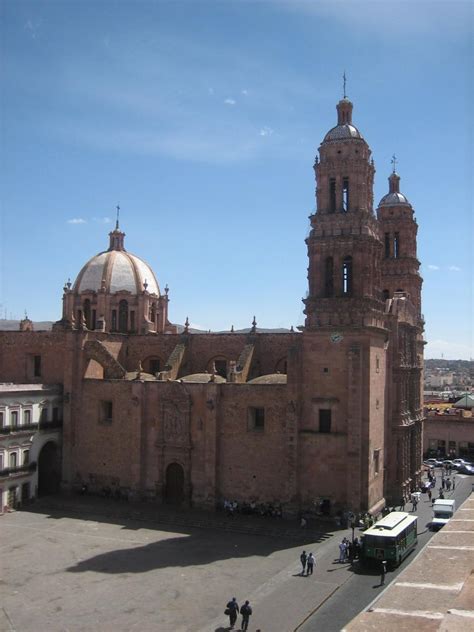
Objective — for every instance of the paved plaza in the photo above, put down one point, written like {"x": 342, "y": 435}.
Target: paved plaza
{"x": 64, "y": 571}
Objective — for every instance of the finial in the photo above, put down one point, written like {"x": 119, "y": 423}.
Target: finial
{"x": 254, "y": 325}
{"x": 166, "y": 289}
{"x": 69, "y": 284}
{"x": 145, "y": 285}
{"x": 394, "y": 163}
{"x": 118, "y": 217}
{"x": 344, "y": 80}
{"x": 186, "y": 326}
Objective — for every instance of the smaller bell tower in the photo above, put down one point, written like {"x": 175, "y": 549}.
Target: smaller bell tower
{"x": 398, "y": 232}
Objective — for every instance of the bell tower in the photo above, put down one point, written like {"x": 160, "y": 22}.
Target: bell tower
{"x": 398, "y": 229}
{"x": 344, "y": 246}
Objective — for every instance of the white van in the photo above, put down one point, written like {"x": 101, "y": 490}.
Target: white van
{"x": 443, "y": 510}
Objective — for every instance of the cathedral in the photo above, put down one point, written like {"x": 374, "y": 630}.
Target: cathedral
{"x": 330, "y": 414}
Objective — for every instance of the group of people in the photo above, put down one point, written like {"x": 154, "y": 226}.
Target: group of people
{"x": 232, "y": 610}
{"x": 232, "y": 507}
{"x": 307, "y": 563}
{"x": 349, "y": 551}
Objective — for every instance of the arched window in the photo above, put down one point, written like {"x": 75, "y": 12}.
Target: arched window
{"x": 347, "y": 276}
{"x": 87, "y": 313}
{"x": 329, "y": 277}
{"x": 345, "y": 195}
{"x": 332, "y": 195}
{"x": 386, "y": 295}
{"x": 396, "y": 245}
{"x": 123, "y": 316}
{"x": 387, "y": 245}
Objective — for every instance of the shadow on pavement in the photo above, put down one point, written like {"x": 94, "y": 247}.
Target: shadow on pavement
{"x": 203, "y": 540}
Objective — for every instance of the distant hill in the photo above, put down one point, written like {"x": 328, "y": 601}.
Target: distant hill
{"x": 14, "y": 325}
{"x": 451, "y": 365}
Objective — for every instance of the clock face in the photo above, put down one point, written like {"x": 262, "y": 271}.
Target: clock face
{"x": 336, "y": 337}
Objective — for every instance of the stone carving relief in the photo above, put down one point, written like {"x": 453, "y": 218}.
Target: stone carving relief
{"x": 175, "y": 425}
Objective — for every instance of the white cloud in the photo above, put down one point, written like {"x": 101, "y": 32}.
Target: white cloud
{"x": 266, "y": 131}
{"x": 454, "y": 268}
{"x": 245, "y": 92}
{"x": 76, "y": 220}
{"x": 432, "y": 267}
{"x": 32, "y": 27}
{"x": 230, "y": 101}
{"x": 102, "y": 220}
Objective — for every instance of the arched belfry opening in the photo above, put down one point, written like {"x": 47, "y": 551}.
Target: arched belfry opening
{"x": 347, "y": 276}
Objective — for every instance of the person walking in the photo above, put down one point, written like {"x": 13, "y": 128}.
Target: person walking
{"x": 383, "y": 572}
{"x": 245, "y": 611}
{"x": 454, "y": 482}
{"x": 342, "y": 551}
{"x": 303, "y": 559}
{"x": 232, "y": 610}
{"x": 429, "y": 494}
{"x": 310, "y": 564}
{"x": 448, "y": 484}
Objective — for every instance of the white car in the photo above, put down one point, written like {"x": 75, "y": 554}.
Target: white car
{"x": 458, "y": 463}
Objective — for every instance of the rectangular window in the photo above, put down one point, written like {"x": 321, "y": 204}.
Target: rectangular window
{"x": 55, "y": 413}
{"x": 26, "y": 457}
{"x": 387, "y": 245}
{"x": 1, "y": 420}
{"x": 325, "y": 420}
{"x": 256, "y": 419}
{"x": 43, "y": 415}
{"x": 37, "y": 366}
{"x": 26, "y": 417}
{"x": 345, "y": 194}
{"x": 106, "y": 412}
{"x": 376, "y": 461}
{"x": 14, "y": 418}
{"x": 332, "y": 195}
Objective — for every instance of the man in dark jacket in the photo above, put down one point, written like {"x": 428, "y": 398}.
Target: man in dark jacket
{"x": 245, "y": 611}
{"x": 232, "y": 609}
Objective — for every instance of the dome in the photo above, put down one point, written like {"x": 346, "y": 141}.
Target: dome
{"x": 343, "y": 132}
{"x": 271, "y": 378}
{"x": 202, "y": 378}
{"x": 116, "y": 271}
{"x": 394, "y": 199}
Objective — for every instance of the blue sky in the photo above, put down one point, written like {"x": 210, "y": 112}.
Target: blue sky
{"x": 202, "y": 119}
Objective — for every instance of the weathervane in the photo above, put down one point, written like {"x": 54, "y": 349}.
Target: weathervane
{"x": 394, "y": 163}
{"x": 344, "y": 77}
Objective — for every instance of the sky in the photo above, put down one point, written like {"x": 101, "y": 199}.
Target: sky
{"x": 202, "y": 120}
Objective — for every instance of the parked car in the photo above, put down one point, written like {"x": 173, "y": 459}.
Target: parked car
{"x": 433, "y": 462}
{"x": 448, "y": 463}
{"x": 426, "y": 485}
{"x": 468, "y": 468}
{"x": 459, "y": 463}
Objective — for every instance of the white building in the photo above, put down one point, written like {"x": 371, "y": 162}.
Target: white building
{"x": 30, "y": 442}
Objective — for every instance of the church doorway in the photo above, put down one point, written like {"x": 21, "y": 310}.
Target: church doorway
{"x": 49, "y": 469}
{"x": 174, "y": 489}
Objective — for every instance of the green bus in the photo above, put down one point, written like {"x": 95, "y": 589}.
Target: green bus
{"x": 390, "y": 539}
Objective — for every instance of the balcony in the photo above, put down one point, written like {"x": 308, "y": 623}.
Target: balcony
{"x": 19, "y": 469}
{"x": 42, "y": 425}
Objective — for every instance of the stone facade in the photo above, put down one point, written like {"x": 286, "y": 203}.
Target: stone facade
{"x": 330, "y": 413}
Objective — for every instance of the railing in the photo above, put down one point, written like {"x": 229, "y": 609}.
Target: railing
{"x": 42, "y": 425}
{"x": 18, "y": 469}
